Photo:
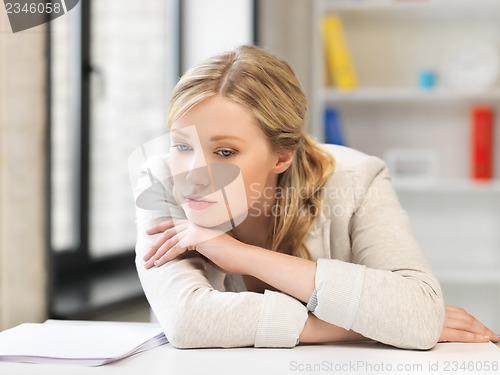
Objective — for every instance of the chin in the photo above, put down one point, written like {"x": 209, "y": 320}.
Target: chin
{"x": 202, "y": 221}
{"x": 208, "y": 218}
{"x": 214, "y": 218}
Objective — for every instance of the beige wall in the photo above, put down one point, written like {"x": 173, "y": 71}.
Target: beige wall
{"x": 285, "y": 27}
{"x": 23, "y": 274}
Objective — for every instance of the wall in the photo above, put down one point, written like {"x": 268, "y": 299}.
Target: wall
{"x": 23, "y": 273}
{"x": 207, "y": 28}
{"x": 285, "y": 28}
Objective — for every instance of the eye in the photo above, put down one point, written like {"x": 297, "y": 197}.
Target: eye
{"x": 225, "y": 153}
{"x": 182, "y": 147}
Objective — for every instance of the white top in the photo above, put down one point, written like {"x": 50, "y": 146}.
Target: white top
{"x": 372, "y": 275}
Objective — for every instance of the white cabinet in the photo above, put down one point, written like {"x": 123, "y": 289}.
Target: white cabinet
{"x": 456, "y": 220}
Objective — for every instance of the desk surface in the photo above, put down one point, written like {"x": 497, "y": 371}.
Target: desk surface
{"x": 350, "y": 358}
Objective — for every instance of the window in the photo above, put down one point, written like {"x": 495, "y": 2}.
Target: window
{"x": 113, "y": 65}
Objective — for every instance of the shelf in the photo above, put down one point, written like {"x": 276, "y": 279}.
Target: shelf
{"x": 400, "y": 4}
{"x": 403, "y": 95}
{"x": 447, "y": 186}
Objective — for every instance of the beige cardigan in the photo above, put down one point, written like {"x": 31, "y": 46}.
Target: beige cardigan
{"x": 372, "y": 276}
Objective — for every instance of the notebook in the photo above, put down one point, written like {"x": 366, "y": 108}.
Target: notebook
{"x": 90, "y": 344}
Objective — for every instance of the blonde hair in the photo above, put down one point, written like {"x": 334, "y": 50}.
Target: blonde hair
{"x": 267, "y": 86}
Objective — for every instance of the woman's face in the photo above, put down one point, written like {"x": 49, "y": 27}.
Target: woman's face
{"x": 220, "y": 160}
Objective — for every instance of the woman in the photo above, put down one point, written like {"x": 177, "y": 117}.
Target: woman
{"x": 320, "y": 250}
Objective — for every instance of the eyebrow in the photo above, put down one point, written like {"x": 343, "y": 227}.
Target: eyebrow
{"x": 220, "y": 137}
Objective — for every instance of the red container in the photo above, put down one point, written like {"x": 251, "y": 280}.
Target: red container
{"x": 482, "y": 119}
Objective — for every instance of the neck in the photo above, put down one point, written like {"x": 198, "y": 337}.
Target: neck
{"x": 253, "y": 230}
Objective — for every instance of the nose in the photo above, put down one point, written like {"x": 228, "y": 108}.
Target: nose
{"x": 198, "y": 174}
{"x": 199, "y": 177}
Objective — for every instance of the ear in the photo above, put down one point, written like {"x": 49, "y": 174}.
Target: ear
{"x": 283, "y": 161}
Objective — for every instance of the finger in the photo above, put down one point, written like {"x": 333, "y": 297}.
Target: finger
{"x": 459, "y": 313}
{"x": 456, "y": 335}
{"x": 160, "y": 227}
{"x": 158, "y": 243}
{"x": 458, "y": 324}
{"x": 169, "y": 233}
{"x": 165, "y": 248}
{"x": 454, "y": 308}
{"x": 186, "y": 241}
{"x": 164, "y": 225}
{"x": 467, "y": 322}
{"x": 175, "y": 251}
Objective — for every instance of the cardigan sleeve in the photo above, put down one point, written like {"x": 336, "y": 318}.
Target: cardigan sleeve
{"x": 192, "y": 313}
{"x": 389, "y": 292}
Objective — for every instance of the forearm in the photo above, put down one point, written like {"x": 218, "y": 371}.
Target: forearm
{"x": 295, "y": 277}
{"x": 289, "y": 274}
{"x": 318, "y": 331}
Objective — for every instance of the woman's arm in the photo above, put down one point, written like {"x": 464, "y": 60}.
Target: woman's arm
{"x": 318, "y": 331}
{"x": 289, "y": 274}
{"x": 292, "y": 275}
{"x": 296, "y": 278}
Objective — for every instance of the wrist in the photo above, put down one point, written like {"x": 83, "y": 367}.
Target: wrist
{"x": 308, "y": 332}
{"x": 245, "y": 255}
{"x": 318, "y": 331}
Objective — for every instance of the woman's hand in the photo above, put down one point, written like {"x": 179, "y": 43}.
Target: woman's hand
{"x": 223, "y": 250}
{"x": 459, "y": 326}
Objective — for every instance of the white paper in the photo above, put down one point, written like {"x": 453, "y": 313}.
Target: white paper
{"x": 88, "y": 344}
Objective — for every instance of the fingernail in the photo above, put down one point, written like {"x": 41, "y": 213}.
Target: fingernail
{"x": 156, "y": 263}
{"x": 486, "y": 338}
{"x": 147, "y": 265}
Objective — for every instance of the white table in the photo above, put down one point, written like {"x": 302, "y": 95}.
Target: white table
{"x": 350, "y": 358}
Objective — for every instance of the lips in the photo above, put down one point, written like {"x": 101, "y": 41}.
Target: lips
{"x": 198, "y": 203}
{"x": 197, "y": 199}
